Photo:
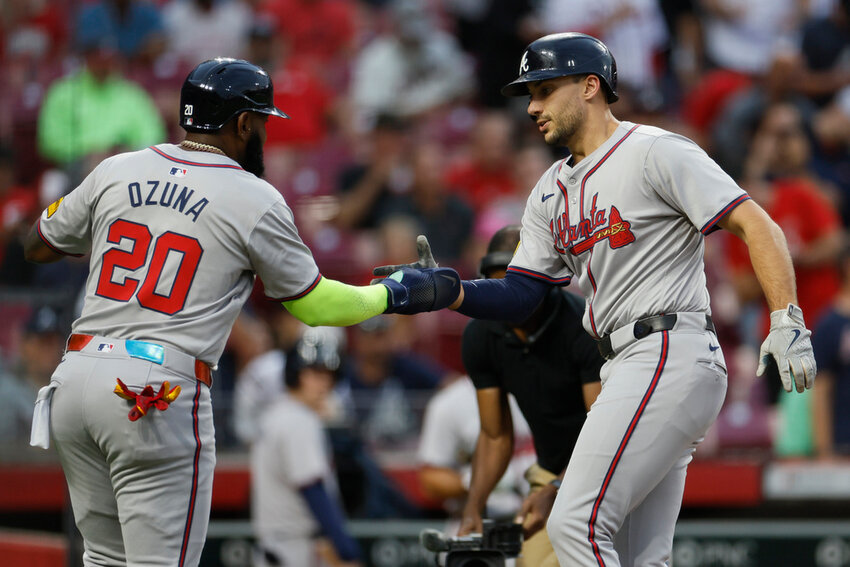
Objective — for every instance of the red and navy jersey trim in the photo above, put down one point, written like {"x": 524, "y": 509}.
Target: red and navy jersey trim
{"x": 563, "y": 191}
{"x": 591, "y": 525}
{"x": 193, "y": 490}
{"x": 51, "y": 246}
{"x": 590, "y": 303}
{"x": 711, "y": 225}
{"x": 310, "y": 288}
{"x": 194, "y": 163}
{"x": 581, "y": 214}
{"x": 599, "y": 163}
{"x": 540, "y": 276}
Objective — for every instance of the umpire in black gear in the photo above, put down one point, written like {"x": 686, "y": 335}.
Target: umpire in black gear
{"x": 551, "y": 366}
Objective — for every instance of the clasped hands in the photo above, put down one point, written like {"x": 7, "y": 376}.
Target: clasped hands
{"x": 419, "y": 286}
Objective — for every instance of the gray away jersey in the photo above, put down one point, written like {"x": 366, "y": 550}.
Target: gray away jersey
{"x": 628, "y": 221}
{"x": 176, "y": 238}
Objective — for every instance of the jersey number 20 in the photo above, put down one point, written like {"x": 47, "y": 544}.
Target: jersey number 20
{"x": 188, "y": 249}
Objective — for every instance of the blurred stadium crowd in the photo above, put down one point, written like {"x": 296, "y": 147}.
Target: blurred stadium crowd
{"x": 397, "y": 128}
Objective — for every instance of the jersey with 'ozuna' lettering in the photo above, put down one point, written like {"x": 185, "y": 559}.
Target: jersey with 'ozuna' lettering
{"x": 176, "y": 238}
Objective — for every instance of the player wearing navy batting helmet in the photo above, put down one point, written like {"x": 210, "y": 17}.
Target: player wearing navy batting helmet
{"x": 624, "y": 217}
{"x": 176, "y": 236}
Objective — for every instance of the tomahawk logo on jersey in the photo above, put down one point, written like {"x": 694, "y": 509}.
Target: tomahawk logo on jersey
{"x": 595, "y": 228}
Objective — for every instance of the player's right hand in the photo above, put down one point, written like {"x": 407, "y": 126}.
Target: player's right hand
{"x": 790, "y": 346}
{"x": 470, "y": 523}
{"x": 426, "y": 259}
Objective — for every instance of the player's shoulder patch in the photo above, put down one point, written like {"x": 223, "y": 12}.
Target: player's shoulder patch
{"x": 53, "y": 207}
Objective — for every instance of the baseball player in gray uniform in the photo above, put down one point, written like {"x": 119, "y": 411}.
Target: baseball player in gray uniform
{"x": 294, "y": 495}
{"x": 625, "y": 215}
{"x": 176, "y": 235}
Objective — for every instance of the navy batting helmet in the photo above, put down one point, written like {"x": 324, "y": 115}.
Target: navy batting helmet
{"x": 315, "y": 349}
{"x": 500, "y": 251}
{"x": 218, "y": 89}
{"x": 562, "y": 54}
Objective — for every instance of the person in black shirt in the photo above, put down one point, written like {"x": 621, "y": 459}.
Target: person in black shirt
{"x": 551, "y": 366}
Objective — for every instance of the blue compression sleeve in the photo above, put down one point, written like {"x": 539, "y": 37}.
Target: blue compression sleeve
{"x": 512, "y": 299}
{"x": 330, "y": 518}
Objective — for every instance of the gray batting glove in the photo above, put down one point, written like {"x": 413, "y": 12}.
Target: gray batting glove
{"x": 426, "y": 259}
{"x": 790, "y": 345}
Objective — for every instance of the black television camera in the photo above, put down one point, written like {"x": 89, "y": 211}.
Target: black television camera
{"x": 497, "y": 542}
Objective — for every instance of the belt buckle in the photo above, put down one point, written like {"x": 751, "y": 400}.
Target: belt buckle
{"x": 145, "y": 350}
{"x": 641, "y": 329}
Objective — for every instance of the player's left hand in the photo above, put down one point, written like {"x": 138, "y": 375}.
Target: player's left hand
{"x": 416, "y": 290}
{"x": 790, "y": 345}
{"x": 535, "y": 510}
{"x": 426, "y": 259}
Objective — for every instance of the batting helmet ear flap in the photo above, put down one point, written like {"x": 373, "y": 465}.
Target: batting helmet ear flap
{"x": 493, "y": 261}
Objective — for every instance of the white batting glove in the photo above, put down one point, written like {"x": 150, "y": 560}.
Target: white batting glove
{"x": 790, "y": 345}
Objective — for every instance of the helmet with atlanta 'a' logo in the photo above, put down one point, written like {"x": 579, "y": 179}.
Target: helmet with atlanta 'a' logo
{"x": 562, "y": 54}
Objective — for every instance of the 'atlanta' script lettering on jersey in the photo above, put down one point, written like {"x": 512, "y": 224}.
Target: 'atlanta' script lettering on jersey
{"x": 167, "y": 195}
{"x": 596, "y": 227}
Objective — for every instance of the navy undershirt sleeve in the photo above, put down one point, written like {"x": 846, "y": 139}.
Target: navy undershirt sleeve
{"x": 512, "y": 299}
{"x": 331, "y": 520}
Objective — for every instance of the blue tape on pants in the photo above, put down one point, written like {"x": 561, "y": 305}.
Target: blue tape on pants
{"x": 146, "y": 351}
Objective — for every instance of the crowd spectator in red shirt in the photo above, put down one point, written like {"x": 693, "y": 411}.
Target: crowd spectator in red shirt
{"x": 321, "y": 32}
{"x": 297, "y": 88}
{"x": 485, "y": 173}
{"x": 777, "y": 178}
{"x": 529, "y": 163}
{"x": 33, "y": 40}
{"x": 37, "y": 27}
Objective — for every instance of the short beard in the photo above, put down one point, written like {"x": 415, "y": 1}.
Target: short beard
{"x": 572, "y": 119}
{"x": 252, "y": 160}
